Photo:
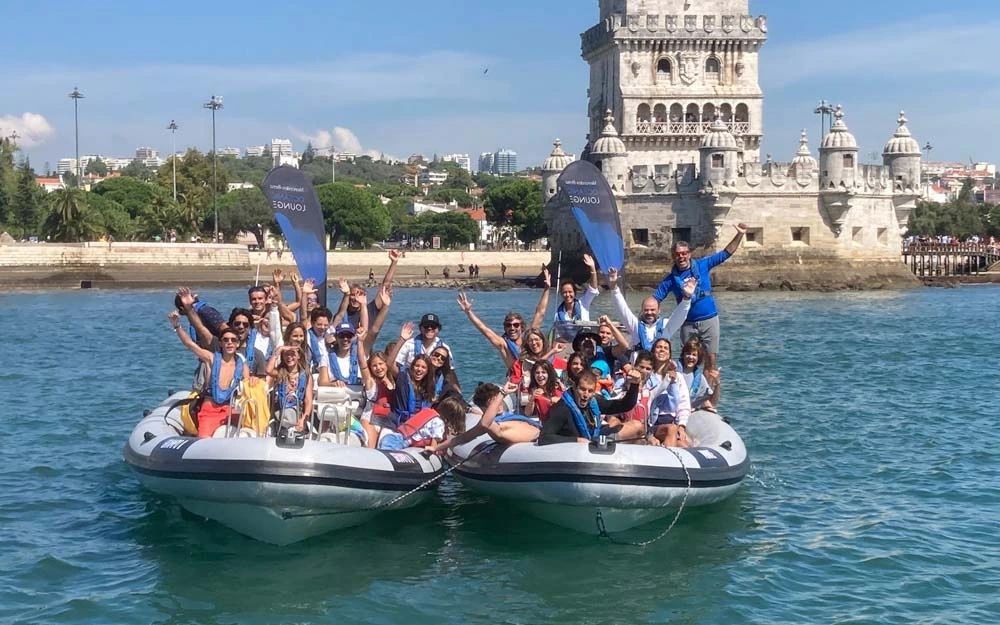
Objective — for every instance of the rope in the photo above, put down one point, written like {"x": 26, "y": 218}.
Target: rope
{"x": 291, "y": 515}
{"x": 603, "y": 532}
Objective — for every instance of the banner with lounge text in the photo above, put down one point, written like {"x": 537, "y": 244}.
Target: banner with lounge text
{"x": 593, "y": 204}
{"x": 297, "y": 210}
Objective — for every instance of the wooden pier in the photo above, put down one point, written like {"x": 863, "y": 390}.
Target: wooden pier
{"x": 942, "y": 259}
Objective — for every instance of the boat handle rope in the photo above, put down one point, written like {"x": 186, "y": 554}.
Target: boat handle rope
{"x": 603, "y": 532}
{"x": 292, "y": 515}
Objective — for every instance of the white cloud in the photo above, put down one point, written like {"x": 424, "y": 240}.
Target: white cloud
{"x": 931, "y": 45}
{"x": 32, "y": 129}
{"x": 340, "y": 139}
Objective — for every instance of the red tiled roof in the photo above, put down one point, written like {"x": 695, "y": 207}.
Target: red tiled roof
{"x": 477, "y": 214}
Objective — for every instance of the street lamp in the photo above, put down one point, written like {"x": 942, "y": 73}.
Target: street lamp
{"x": 76, "y": 95}
{"x": 215, "y": 104}
{"x": 824, "y": 110}
{"x": 172, "y": 127}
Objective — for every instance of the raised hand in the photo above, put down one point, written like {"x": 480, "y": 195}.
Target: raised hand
{"x": 345, "y": 288}
{"x": 605, "y": 320}
{"x": 672, "y": 371}
{"x": 546, "y": 277}
{"x": 186, "y": 296}
{"x": 561, "y": 346}
{"x": 464, "y": 302}
{"x": 174, "y": 318}
{"x": 510, "y": 387}
{"x": 296, "y": 279}
{"x": 633, "y": 377}
{"x": 612, "y": 278}
{"x": 741, "y": 228}
{"x": 690, "y": 285}
{"x": 406, "y": 332}
{"x": 394, "y": 256}
{"x": 309, "y": 286}
{"x": 277, "y": 276}
{"x": 588, "y": 260}
{"x": 361, "y": 333}
{"x": 386, "y": 293}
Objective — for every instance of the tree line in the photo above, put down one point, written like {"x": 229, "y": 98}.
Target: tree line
{"x": 961, "y": 217}
{"x": 140, "y": 204}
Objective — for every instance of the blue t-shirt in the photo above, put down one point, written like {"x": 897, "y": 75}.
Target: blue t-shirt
{"x": 702, "y": 302}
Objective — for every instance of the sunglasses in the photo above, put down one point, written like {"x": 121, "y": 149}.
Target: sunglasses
{"x": 437, "y": 356}
{"x": 241, "y": 324}
{"x": 230, "y": 339}
{"x": 515, "y": 324}
{"x": 429, "y": 327}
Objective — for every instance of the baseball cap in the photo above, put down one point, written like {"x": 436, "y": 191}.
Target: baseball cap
{"x": 602, "y": 366}
{"x": 430, "y": 319}
{"x": 344, "y": 327}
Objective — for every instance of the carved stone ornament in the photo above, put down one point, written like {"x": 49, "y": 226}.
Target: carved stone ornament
{"x": 652, "y": 23}
{"x": 661, "y": 177}
{"x": 633, "y": 23}
{"x": 689, "y": 67}
{"x": 740, "y": 68}
{"x": 671, "y": 24}
{"x": 690, "y": 23}
{"x": 762, "y": 23}
{"x": 709, "y": 23}
{"x": 803, "y": 176}
{"x": 636, "y": 68}
{"x": 746, "y": 23}
{"x": 753, "y": 176}
{"x": 778, "y": 177}
{"x": 728, "y": 23}
{"x": 640, "y": 177}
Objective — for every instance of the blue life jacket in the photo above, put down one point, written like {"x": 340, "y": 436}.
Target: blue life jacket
{"x": 404, "y": 399}
{"x": 252, "y": 350}
{"x": 351, "y": 377}
{"x": 515, "y": 351}
{"x": 222, "y": 395}
{"x": 645, "y": 343}
{"x": 581, "y": 423}
{"x": 282, "y": 394}
{"x": 577, "y": 312}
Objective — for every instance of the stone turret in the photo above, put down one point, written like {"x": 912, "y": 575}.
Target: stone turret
{"x": 609, "y": 154}
{"x": 718, "y": 153}
{"x": 557, "y": 161}
{"x": 902, "y": 156}
{"x": 803, "y": 165}
{"x": 838, "y": 157}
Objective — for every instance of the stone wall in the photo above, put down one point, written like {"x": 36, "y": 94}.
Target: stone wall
{"x": 70, "y": 255}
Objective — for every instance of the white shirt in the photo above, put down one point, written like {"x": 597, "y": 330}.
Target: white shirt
{"x": 671, "y": 398}
{"x": 408, "y": 351}
{"x": 674, "y": 322}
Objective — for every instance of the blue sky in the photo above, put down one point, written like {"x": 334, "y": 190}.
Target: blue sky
{"x": 402, "y": 77}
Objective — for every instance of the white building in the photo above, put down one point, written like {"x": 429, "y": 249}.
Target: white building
{"x": 428, "y": 207}
{"x": 486, "y": 163}
{"x": 66, "y": 166}
{"x": 428, "y": 177}
{"x": 255, "y": 150}
{"x": 462, "y": 160}
{"x": 229, "y": 152}
{"x": 282, "y": 147}
{"x": 143, "y": 153}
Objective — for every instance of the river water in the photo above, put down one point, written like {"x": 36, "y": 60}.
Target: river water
{"x": 873, "y": 495}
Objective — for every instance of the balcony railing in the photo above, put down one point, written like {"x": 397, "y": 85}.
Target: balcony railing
{"x": 688, "y": 128}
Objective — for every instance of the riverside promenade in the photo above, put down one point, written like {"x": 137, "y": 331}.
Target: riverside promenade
{"x": 139, "y": 265}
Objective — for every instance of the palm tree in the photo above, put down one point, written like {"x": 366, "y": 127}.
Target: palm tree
{"x": 69, "y": 219}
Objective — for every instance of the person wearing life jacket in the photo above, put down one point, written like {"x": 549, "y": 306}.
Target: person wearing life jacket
{"x": 503, "y": 427}
{"x": 634, "y": 421}
{"x": 227, "y": 370}
{"x": 257, "y": 299}
{"x": 241, "y": 320}
{"x": 293, "y": 387}
{"x": 412, "y": 399}
{"x": 705, "y": 385}
{"x": 579, "y": 417}
{"x": 576, "y": 363}
{"x": 534, "y": 348}
{"x": 509, "y": 343}
{"x": 413, "y": 346}
{"x": 571, "y": 309}
{"x": 379, "y": 388}
{"x": 344, "y": 360}
{"x": 445, "y": 379}
{"x": 649, "y": 326}
{"x": 669, "y": 410}
{"x": 316, "y": 323}
{"x": 543, "y": 391}
{"x": 703, "y": 317}
{"x": 200, "y": 315}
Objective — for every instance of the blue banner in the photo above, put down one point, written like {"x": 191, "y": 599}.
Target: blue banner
{"x": 298, "y": 212}
{"x": 589, "y": 194}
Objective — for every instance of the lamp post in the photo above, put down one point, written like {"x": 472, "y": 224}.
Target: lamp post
{"x": 824, "y": 110}
{"x": 76, "y": 96}
{"x": 172, "y": 127}
{"x": 215, "y": 104}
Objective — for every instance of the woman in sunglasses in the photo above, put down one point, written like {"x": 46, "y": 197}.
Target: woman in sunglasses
{"x": 293, "y": 387}
{"x": 228, "y": 369}
{"x": 445, "y": 378}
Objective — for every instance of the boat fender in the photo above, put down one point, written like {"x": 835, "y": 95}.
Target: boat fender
{"x": 290, "y": 442}
{"x": 608, "y": 448}
{"x": 728, "y": 446}
{"x": 147, "y": 412}
{"x": 146, "y": 437}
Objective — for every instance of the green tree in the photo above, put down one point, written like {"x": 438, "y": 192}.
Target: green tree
{"x": 245, "y": 210}
{"x": 454, "y": 228}
{"x": 518, "y": 203}
{"x": 352, "y": 214}
{"x": 8, "y": 179}
{"x": 194, "y": 188}
{"x": 96, "y": 167}
{"x": 26, "y": 207}
{"x": 138, "y": 169}
{"x": 108, "y": 216}
{"x": 308, "y": 155}
{"x": 69, "y": 219}
{"x": 159, "y": 217}
{"x": 446, "y": 195}
{"x": 131, "y": 193}
{"x": 458, "y": 178}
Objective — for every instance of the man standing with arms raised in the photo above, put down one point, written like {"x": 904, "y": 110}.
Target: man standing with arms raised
{"x": 703, "y": 317}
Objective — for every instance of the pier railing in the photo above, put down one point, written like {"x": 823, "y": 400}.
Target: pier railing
{"x": 946, "y": 259}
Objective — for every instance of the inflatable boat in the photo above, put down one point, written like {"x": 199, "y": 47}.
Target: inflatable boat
{"x": 607, "y": 488}
{"x": 277, "y": 490}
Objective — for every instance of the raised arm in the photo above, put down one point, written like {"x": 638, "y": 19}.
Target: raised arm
{"x": 741, "y": 230}
{"x": 622, "y": 346}
{"x": 308, "y": 288}
{"x": 187, "y": 302}
{"x": 631, "y": 322}
{"x": 203, "y": 354}
{"x": 588, "y": 260}
{"x": 394, "y": 256}
{"x": 405, "y": 334}
{"x": 543, "y": 300}
{"x": 495, "y": 340}
{"x": 286, "y": 312}
{"x": 385, "y": 293}
{"x": 366, "y": 376}
{"x": 680, "y": 312}
{"x": 345, "y": 290}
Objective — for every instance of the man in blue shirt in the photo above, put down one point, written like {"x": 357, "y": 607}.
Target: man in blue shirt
{"x": 703, "y": 317}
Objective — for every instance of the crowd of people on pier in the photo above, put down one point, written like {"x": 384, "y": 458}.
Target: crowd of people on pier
{"x": 573, "y": 380}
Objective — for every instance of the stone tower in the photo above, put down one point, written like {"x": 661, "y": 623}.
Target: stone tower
{"x": 557, "y": 161}
{"x": 667, "y": 68}
{"x": 609, "y": 154}
{"x": 902, "y": 156}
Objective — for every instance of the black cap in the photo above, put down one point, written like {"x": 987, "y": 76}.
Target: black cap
{"x": 430, "y": 319}
{"x": 583, "y": 335}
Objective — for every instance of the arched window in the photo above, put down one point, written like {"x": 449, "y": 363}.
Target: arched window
{"x": 643, "y": 113}
{"x": 712, "y": 65}
{"x": 708, "y": 113}
{"x": 676, "y": 112}
{"x": 692, "y": 114}
{"x": 663, "y": 70}
{"x": 660, "y": 113}
{"x": 726, "y": 112}
{"x": 742, "y": 113}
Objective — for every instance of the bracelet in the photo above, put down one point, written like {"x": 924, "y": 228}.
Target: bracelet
{"x": 177, "y": 327}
